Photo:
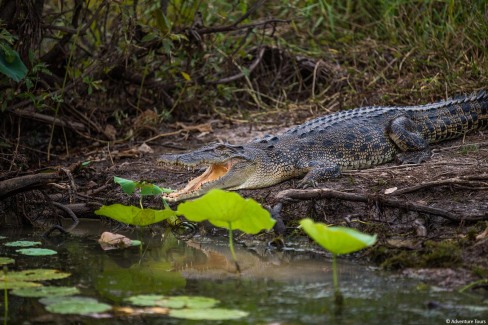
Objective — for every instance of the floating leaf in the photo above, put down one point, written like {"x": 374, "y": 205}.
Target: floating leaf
{"x": 127, "y": 185}
{"x": 133, "y": 215}
{"x": 208, "y": 314}
{"x": 36, "y": 251}
{"x": 221, "y": 208}
{"x": 11, "y": 65}
{"x": 173, "y": 301}
{"x": 75, "y": 305}
{"x": 35, "y": 275}
{"x": 22, "y": 243}
{"x": 6, "y": 260}
{"x": 45, "y": 291}
{"x": 7, "y": 284}
{"x": 59, "y": 299}
{"x": 337, "y": 240}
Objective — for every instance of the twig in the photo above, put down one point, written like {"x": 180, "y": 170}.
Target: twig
{"x": 241, "y": 74}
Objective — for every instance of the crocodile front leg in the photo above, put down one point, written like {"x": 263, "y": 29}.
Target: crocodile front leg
{"x": 406, "y": 135}
{"x": 319, "y": 171}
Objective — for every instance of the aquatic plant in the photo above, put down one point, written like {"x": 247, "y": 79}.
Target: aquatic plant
{"x": 228, "y": 210}
{"x": 338, "y": 241}
{"x": 133, "y": 215}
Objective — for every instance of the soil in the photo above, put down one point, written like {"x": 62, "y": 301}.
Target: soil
{"x": 408, "y": 240}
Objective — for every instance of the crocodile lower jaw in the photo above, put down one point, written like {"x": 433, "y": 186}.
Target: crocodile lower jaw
{"x": 194, "y": 187}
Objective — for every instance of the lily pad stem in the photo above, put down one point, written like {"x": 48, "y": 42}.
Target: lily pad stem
{"x": 337, "y": 293}
{"x": 231, "y": 246}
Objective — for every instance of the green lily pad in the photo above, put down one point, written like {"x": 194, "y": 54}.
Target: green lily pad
{"x": 173, "y": 301}
{"x": 74, "y": 305}
{"x": 135, "y": 242}
{"x": 35, "y": 275}
{"x": 337, "y": 240}
{"x": 228, "y": 210}
{"x": 13, "y": 284}
{"x": 208, "y": 314}
{"x": 129, "y": 187}
{"x": 6, "y": 260}
{"x": 22, "y": 243}
{"x": 59, "y": 299}
{"x": 36, "y": 251}
{"x": 45, "y": 291}
{"x": 133, "y": 215}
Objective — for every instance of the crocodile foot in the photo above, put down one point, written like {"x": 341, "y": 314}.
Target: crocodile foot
{"x": 413, "y": 157}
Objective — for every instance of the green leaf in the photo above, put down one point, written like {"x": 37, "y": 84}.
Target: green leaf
{"x": 151, "y": 189}
{"x": 133, "y": 215}
{"x": 12, "y": 284}
{"x": 222, "y": 208}
{"x": 163, "y": 22}
{"x": 22, "y": 243}
{"x": 337, "y": 240}
{"x": 173, "y": 302}
{"x": 127, "y": 185}
{"x": 11, "y": 65}
{"x": 34, "y": 275}
{"x": 36, "y": 251}
{"x": 6, "y": 260}
{"x": 186, "y": 76}
{"x": 75, "y": 305}
{"x": 208, "y": 314}
{"x": 45, "y": 291}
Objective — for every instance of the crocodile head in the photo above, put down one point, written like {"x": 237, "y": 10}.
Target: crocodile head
{"x": 228, "y": 167}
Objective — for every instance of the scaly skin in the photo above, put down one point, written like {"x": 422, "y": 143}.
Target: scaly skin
{"x": 323, "y": 147}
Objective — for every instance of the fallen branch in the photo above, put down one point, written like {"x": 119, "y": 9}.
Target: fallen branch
{"x": 27, "y": 182}
{"x": 326, "y": 193}
{"x": 465, "y": 181}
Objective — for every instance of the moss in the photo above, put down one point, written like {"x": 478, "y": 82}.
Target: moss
{"x": 434, "y": 254}
{"x": 441, "y": 254}
{"x": 402, "y": 260}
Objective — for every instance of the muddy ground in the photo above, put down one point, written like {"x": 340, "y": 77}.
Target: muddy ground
{"x": 448, "y": 246}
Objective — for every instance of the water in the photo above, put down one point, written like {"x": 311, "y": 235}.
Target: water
{"x": 287, "y": 287}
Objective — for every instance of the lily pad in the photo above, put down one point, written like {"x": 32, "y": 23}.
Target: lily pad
{"x": 45, "y": 291}
{"x": 22, "y": 243}
{"x": 59, "y": 299}
{"x": 173, "y": 301}
{"x": 35, "y": 275}
{"x": 6, "y": 260}
{"x": 337, "y": 240}
{"x": 228, "y": 210}
{"x": 36, "y": 251}
{"x": 133, "y": 215}
{"x": 208, "y": 314}
{"x": 76, "y": 305}
{"x": 13, "y": 284}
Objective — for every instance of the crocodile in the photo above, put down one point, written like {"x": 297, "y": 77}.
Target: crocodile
{"x": 321, "y": 148}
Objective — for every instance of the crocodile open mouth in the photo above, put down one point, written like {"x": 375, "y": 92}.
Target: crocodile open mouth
{"x": 211, "y": 174}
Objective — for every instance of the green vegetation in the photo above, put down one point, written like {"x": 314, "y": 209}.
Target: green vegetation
{"x": 186, "y": 307}
{"x": 228, "y": 210}
{"x": 338, "y": 241}
{"x": 141, "y": 64}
